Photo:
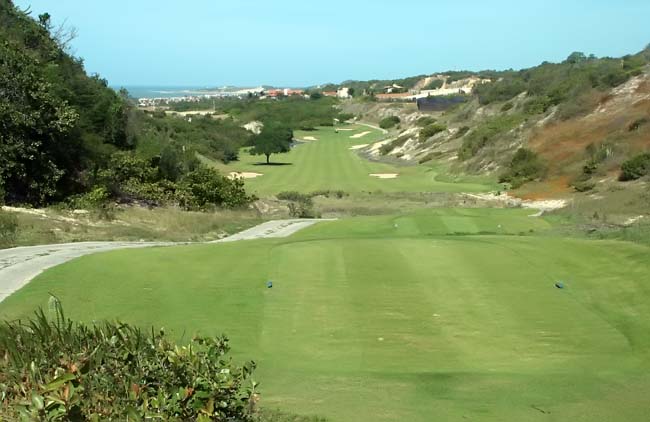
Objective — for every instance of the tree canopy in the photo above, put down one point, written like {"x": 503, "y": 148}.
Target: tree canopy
{"x": 273, "y": 139}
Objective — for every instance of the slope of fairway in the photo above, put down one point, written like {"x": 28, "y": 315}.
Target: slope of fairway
{"x": 328, "y": 163}
{"x": 438, "y": 315}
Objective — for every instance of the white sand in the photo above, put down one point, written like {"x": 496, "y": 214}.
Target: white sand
{"x": 345, "y": 129}
{"x": 385, "y": 175}
{"x": 360, "y": 135}
{"x": 359, "y": 146}
{"x": 243, "y": 175}
{"x": 309, "y": 138}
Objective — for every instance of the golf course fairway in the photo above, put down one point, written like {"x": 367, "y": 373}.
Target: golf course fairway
{"x": 437, "y": 315}
{"x": 328, "y": 163}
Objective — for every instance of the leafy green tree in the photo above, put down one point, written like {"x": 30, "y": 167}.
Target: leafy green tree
{"x": 273, "y": 139}
{"x": 34, "y": 129}
{"x": 576, "y": 57}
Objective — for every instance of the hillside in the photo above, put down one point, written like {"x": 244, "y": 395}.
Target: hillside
{"x": 578, "y": 121}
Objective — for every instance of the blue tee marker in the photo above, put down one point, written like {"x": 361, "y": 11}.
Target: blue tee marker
{"x": 269, "y": 284}
{"x": 559, "y": 285}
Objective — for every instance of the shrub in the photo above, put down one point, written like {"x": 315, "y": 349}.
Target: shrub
{"x": 389, "y": 122}
{"x": 425, "y": 121}
{"x": 431, "y": 130}
{"x": 506, "y": 107}
{"x": 502, "y": 90}
{"x": 207, "y": 187}
{"x": 327, "y": 193}
{"x": 524, "y": 166}
{"x": 8, "y": 229}
{"x": 57, "y": 369}
{"x": 344, "y": 117}
{"x": 636, "y": 167}
{"x": 292, "y": 196}
{"x": 636, "y": 124}
{"x": 300, "y": 205}
{"x": 388, "y": 147}
{"x": 487, "y": 132}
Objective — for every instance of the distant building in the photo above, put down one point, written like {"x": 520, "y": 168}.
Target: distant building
{"x": 330, "y": 93}
{"x": 343, "y": 93}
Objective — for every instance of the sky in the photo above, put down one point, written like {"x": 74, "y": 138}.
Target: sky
{"x": 297, "y": 43}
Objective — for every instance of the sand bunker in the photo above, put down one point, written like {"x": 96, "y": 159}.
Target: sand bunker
{"x": 309, "y": 138}
{"x": 243, "y": 175}
{"x": 345, "y": 129}
{"x": 360, "y": 135}
{"x": 384, "y": 175}
{"x": 359, "y": 146}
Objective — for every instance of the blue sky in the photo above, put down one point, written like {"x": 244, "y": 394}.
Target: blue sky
{"x": 307, "y": 42}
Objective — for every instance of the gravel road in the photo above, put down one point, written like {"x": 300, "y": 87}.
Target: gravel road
{"x": 20, "y": 265}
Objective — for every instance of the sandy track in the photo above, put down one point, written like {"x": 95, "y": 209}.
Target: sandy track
{"x": 20, "y": 265}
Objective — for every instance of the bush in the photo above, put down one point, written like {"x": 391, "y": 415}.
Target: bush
{"x": 207, "y": 187}
{"x": 524, "y": 167}
{"x": 300, "y": 205}
{"x": 431, "y": 130}
{"x": 486, "y": 133}
{"x": 388, "y": 147}
{"x": 389, "y": 122}
{"x": 8, "y": 229}
{"x": 636, "y": 124}
{"x": 327, "y": 193}
{"x": 57, "y": 369}
{"x": 425, "y": 121}
{"x": 503, "y": 90}
{"x": 292, "y": 196}
{"x": 635, "y": 167}
{"x": 344, "y": 117}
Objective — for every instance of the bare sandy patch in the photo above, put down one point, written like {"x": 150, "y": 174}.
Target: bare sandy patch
{"x": 384, "y": 175}
{"x": 243, "y": 175}
{"x": 359, "y": 146}
{"x": 360, "y": 135}
{"x": 309, "y": 138}
{"x": 345, "y": 129}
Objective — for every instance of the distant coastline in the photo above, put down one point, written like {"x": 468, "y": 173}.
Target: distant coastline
{"x": 162, "y": 91}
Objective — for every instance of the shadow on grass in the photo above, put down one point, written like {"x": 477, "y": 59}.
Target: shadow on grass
{"x": 272, "y": 164}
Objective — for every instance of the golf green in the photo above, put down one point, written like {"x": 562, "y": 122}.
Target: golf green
{"x": 438, "y": 315}
{"x": 327, "y": 163}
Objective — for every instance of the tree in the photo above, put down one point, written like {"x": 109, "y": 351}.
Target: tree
{"x": 576, "y": 57}
{"x": 273, "y": 139}
{"x": 33, "y": 141}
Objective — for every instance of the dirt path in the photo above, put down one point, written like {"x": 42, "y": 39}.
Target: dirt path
{"x": 20, "y": 265}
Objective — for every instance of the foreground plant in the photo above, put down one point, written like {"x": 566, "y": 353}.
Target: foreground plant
{"x": 59, "y": 370}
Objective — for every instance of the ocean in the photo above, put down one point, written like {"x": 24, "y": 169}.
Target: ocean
{"x": 140, "y": 91}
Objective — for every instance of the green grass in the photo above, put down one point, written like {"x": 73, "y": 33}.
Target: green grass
{"x": 436, "y": 315}
{"x": 328, "y": 163}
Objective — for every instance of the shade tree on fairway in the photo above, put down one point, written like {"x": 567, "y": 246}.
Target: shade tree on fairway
{"x": 273, "y": 139}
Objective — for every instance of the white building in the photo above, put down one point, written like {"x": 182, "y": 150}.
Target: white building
{"x": 343, "y": 93}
